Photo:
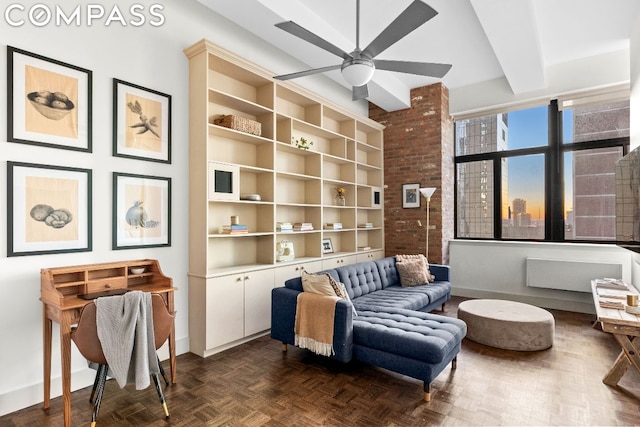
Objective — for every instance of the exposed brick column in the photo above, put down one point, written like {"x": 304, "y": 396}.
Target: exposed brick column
{"x": 418, "y": 148}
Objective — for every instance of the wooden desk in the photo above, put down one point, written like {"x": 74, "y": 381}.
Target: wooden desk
{"x": 624, "y": 326}
{"x": 59, "y": 292}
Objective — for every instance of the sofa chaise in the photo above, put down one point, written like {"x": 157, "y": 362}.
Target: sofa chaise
{"x": 392, "y": 327}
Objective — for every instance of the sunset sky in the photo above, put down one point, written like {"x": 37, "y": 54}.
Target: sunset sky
{"x": 529, "y": 128}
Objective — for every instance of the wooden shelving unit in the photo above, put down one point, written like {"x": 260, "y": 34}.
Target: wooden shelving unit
{"x": 231, "y": 275}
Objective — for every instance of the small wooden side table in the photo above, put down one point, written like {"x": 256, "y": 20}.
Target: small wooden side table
{"x": 624, "y": 326}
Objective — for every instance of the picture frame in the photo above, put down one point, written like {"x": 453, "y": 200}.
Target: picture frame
{"x": 49, "y": 102}
{"x": 327, "y": 246}
{"x": 376, "y": 197}
{"x": 141, "y": 211}
{"x": 49, "y": 209}
{"x": 410, "y": 196}
{"x": 141, "y": 123}
{"x": 223, "y": 181}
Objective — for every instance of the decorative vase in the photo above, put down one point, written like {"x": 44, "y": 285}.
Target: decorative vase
{"x": 341, "y": 201}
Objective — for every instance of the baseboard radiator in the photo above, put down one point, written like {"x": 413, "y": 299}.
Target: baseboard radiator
{"x": 568, "y": 275}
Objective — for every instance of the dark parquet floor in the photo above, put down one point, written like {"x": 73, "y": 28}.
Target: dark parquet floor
{"x": 255, "y": 384}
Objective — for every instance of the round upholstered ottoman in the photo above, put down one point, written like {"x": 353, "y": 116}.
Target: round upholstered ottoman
{"x": 507, "y": 324}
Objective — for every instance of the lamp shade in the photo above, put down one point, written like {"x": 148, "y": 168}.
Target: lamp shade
{"x": 358, "y": 74}
{"x": 427, "y": 192}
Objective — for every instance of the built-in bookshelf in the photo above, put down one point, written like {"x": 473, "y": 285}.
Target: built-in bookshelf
{"x": 262, "y": 179}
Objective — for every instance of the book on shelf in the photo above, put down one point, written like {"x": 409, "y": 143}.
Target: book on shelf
{"x": 234, "y": 229}
{"x": 302, "y": 226}
{"x": 333, "y": 226}
{"x": 364, "y": 248}
{"x": 365, "y": 225}
{"x": 284, "y": 226}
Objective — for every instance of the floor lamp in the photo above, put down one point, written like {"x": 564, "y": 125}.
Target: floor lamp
{"x": 427, "y": 192}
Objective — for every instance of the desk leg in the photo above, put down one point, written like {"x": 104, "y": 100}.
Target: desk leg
{"x": 172, "y": 356}
{"x": 628, "y": 356}
{"x": 172, "y": 340}
{"x": 65, "y": 353}
{"x": 46, "y": 341}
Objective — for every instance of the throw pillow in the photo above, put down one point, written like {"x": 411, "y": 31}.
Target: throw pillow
{"x": 317, "y": 284}
{"x": 431, "y": 277}
{"x": 412, "y": 272}
{"x": 341, "y": 291}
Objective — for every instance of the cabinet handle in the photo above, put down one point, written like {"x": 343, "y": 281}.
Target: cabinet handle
{"x": 297, "y": 268}
{"x": 239, "y": 279}
{"x": 247, "y": 277}
{"x": 108, "y": 285}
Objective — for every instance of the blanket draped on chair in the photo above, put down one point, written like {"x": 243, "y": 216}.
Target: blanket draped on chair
{"x": 125, "y": 330}
{"x": 315, "y": 315}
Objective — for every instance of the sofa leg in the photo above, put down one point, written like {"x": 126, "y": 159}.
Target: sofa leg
{"x": 443, "y": 304}
{"x": 427, "y": 392}
{"x": 454, "y": 363}
{"x": 284, "y": 347}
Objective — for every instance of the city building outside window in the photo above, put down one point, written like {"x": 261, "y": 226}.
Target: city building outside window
{"x": 521, "y": 173}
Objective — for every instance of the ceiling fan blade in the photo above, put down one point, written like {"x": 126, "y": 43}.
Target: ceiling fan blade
{"x": 411, "y": 18}
{"x": 360, "y": 92}
{"x": 300, "y": 32}
{"x": 420, "y": 68}
{"x": 308, "y": 72}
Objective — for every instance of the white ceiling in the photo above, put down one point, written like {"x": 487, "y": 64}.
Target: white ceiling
{"x": 516, "y": 40}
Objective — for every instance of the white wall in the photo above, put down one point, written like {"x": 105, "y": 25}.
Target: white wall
{"x": 491, "y": 269}
{"x": 635, "y": 83}
{"x": 148, "y": 56}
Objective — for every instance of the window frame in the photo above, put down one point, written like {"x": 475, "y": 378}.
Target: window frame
{"x": 553, "y": 154}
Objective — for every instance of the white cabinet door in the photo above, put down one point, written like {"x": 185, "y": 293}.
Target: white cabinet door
{"x": 289, "y": 271}
{"x": 370, "y": 256}
{"x": 257, "y": 300}
{"x": 338, "y": 261}
{"x": 225, "y": 301}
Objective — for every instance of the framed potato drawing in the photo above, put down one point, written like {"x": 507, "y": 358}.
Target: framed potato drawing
{"x": 410, "y": 195}
{"x": 48, "y": 102}
{"x": 142, "y": 123}
{"x": 49, "y": 209}
{"x": 141, "y": 211}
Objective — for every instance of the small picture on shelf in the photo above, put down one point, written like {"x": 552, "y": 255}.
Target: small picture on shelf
{"x": 327, "y": 246}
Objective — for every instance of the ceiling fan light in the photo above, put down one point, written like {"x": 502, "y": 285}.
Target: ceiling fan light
{"x": 358, "y": 74}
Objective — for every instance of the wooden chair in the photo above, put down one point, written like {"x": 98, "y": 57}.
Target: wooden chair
{"x": 85, "y": 335}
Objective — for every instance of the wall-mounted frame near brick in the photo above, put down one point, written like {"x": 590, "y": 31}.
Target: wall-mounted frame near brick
{"x": 410, "y": 195}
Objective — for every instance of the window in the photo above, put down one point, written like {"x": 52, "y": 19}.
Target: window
{"x": 544, "y": 173}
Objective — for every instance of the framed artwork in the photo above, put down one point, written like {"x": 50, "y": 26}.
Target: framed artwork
{"x": 141, "y": 211}
{"x": 223, "y": 181}
{"x": 327, "y": 246}
{"x": 410, "y": 195}
{"x": 141, "y": 123}
{"x": 48, "y": 102}
{"x": 49, "y": 209}
{"x": 376, "y": 197}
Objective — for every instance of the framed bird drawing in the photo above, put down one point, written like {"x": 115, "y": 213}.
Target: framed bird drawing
{"x": 142, "y": 123}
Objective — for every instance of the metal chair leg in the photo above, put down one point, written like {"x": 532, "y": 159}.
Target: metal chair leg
{"x": 164, "y": 375}
{"x": 95, "y": 384}
{"x": 102, "y": 379}
{"x": 156, "y": 381}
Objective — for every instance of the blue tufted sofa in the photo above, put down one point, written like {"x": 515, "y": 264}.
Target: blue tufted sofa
{"x": 393, "y": 328}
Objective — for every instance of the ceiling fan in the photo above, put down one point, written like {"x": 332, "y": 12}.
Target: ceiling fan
{"x": 358, "y": 66}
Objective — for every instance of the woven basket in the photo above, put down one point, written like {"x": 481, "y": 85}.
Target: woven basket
{"x": 240, "y": 124}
